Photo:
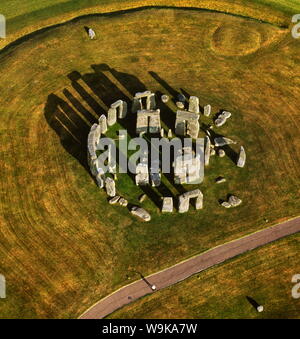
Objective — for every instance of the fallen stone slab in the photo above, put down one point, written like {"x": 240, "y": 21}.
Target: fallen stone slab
{"x": 141, "y": 213}
{"x": 222, "y": 141}
{"x": 114, "y": 200}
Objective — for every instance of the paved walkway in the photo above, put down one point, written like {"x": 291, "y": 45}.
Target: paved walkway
{"x": 185, "y": 269}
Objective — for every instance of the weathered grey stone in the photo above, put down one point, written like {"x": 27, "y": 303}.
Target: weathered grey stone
{"x": 142, "y": 198}
{"x": 151, "y": 102}
{"x": 2, "y": 277}
{"x": 207, "y": 150}
{"x": 142, "y": 173}
{"x": 234, "y": 201}
{"x": 194, "y": 105}
{"x": 221, "y": 153}
{"x": 242, "y": 158}
{"x": 170, "y": 134}
{"x": 136, "y": 105}
{"x": 180, "y": 104}
{"x": 100, "y": 178}
{"x": 114, "y": 200}
{"x": 121, "y": 107}
{"x": 260, "y": 308}
{"x": 220, "y": 180}
{"x": 222, "y": 141}
{"x": 184, "y": 200}
{"x": 103, "y": 123}
{"x": 110, "y": 187}
{"x": 188, "y": 166}
{"x": 226, "y": 204}
{"x": 123, "y": 202}
{"x": 141, "y": 213}
{"x": 111, "y": 116}
{"x": 167, "y": 206}
{"x": 165, "y": 98}
{"x": 162, "y": 133}
{"x": 148, "y": 121}
{"x": 207, "y": 110}
{"x": 222, "y": 118}
{"x": 187, "y": 124}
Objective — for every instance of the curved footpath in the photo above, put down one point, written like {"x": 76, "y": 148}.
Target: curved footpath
{"x": 185, "y": 269}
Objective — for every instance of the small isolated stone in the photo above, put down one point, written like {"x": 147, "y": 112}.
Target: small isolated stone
{"x": 162, "y": 133}
{"x": 221, "y": 153}
{"x": 260, "y": 308}
{"x": 180, "y": 104}
{"x": 123, "y": 202}
{"x": 142, "y": 198}
{"x": 165, "y": 98}
{"x": 212, "y": 151}
{"x": 234, "y": 201}
{"x": 114, "y": 200}
{"x": 220, "y": 180}
{"x": 141, "y": 213}
{"x": 170, "y": 134}
{"x": 226, "y": 204}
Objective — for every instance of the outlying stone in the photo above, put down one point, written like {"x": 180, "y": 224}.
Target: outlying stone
{"x": 167, "y": 206}
{"x": 222, "y": 141}
{"x": 242, "y": 158}
{"x": 233, "y": 201}
{"x": 220, "y": 180}
{"x": 141, "y": 213}
{"x": 222, "y": 118}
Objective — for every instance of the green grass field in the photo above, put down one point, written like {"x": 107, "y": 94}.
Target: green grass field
{"x": 221, "y": 292}
{"x": 62, "y": 246}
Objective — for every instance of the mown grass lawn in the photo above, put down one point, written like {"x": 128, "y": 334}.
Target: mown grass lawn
{"x": 264, "y": 275}
{"x": 62, "y": 246}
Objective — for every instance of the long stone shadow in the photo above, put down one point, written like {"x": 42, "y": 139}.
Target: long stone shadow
{"x": 72, "y": 113}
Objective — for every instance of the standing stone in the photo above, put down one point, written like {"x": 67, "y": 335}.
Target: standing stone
{"x": 100, "y": 180}
{"x": 123, "y": 202}
{"x": 181, "y": 97}
{"x": 170, "y": 134}
{"x": 111, "y": 116}
{"x": 136, "y": 105}
{"x": 207, "y": 110}
{"x": 207, "y": 151}
{"x": 151, "y": 102}
{"x": 199, "y": 201}
{"x": 162, "y": 133}
{"x": 110, "y": 187}
{"x": 103, "y": 123}
{"x": 167, "y": 205}
{"x": 194, "y": 105}
{"x": 242, "y": 158}
{"x": 142, "y": 198}
{"x": 165, "y": 98}
{"x": 184, "y": 203}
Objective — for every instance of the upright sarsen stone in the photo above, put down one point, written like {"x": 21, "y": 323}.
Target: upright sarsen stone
{"x": 242, "y": 158}
{"x": 194, "y": 104}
